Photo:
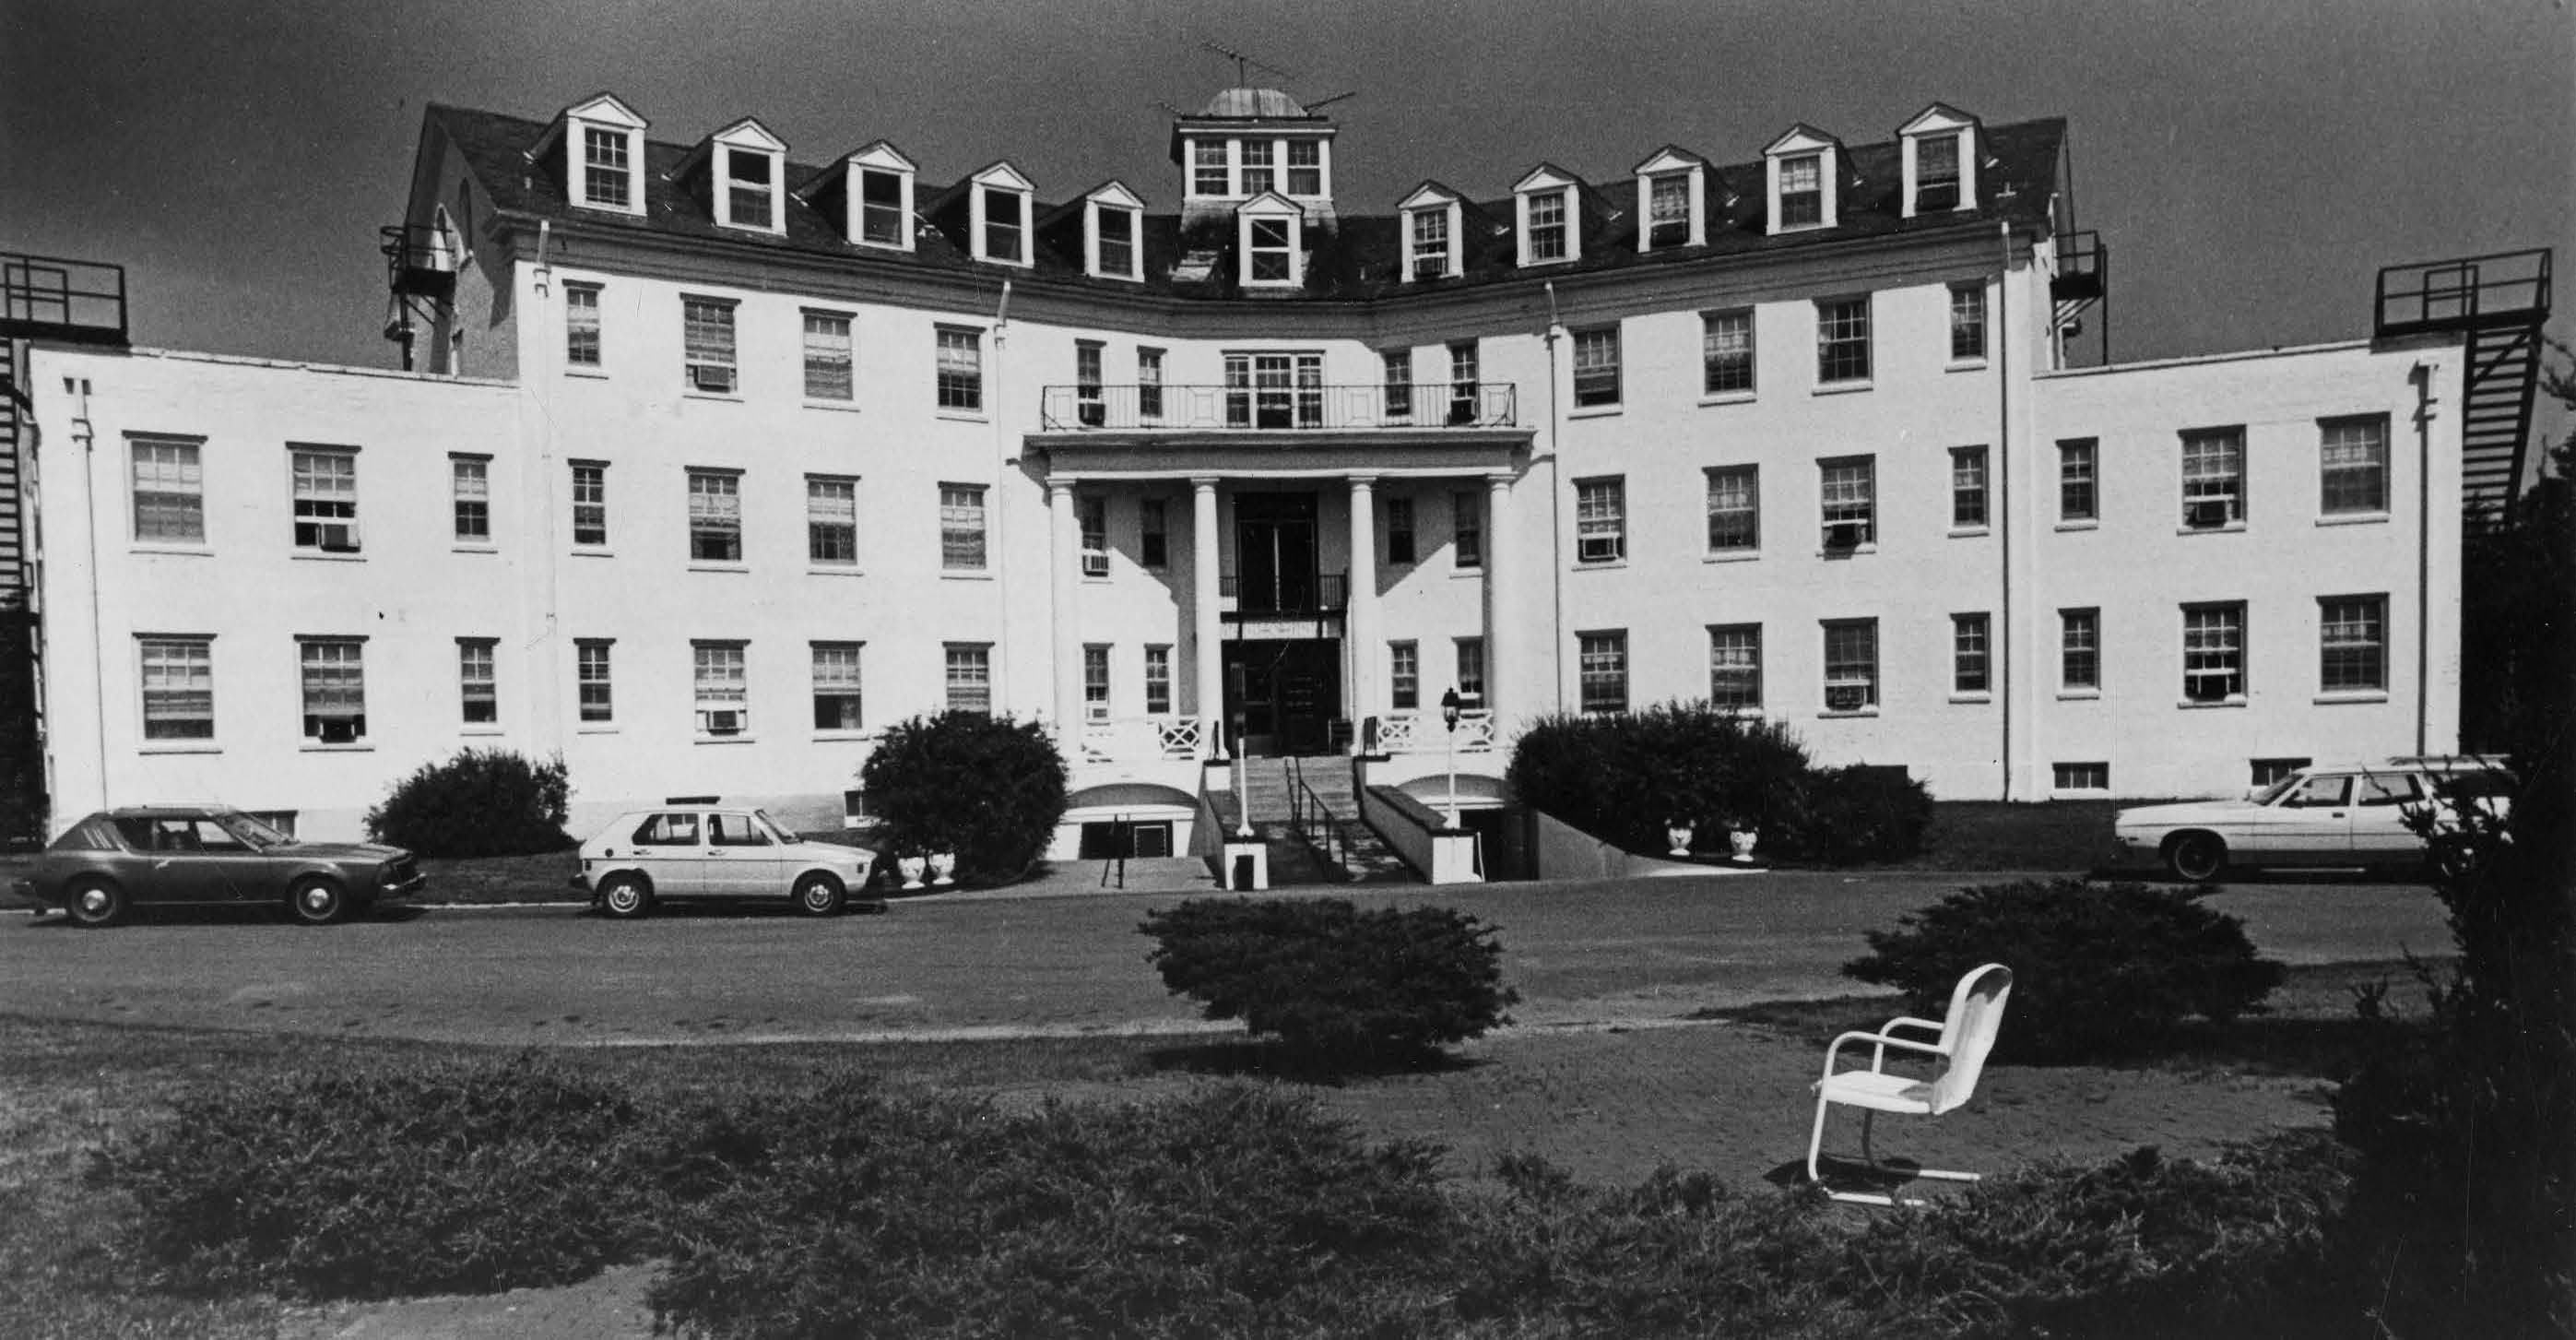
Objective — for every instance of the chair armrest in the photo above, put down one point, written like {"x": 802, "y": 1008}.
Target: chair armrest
{"x": 1879, "y": 1043}
{"x": 1928, "y": 1025}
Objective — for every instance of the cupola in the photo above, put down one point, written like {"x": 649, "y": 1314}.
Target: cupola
{"x": 1247, "y": 142}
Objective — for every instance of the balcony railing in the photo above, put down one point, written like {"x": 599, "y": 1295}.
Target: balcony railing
{"x": 1426, "y": 733}
{"x": 50, "y": 298}
{"x": 1277, "y": 408}
{"x": 1141, "y": 739}
{"x": 2506, "y": 289}
{"x": 1295, "y": 593}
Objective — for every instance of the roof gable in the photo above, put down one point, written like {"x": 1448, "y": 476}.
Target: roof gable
{"x": 1114, "y": 193}
{"x": 1938, "y": 116}
{"x": 1670, "y": 158}
{"x": 1270, "y": 204}
{"x": 1000, "y": 174}
{"x": 1800, "y": 138}
{"x": 1427, "y": 194}
{"x": 1545, "y": 176}
{"x": 607, "y": 109}
{"x": 748, "y": 133}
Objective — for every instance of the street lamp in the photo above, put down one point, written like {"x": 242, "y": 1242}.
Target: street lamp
{"x": 1449, "y": 717}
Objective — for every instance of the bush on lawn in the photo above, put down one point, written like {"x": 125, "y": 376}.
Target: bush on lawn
{"x": 1332, "y": 983}
{"x": 990, "y": 789}
{"x": 376, "y": 1184}
{"x": 1623, "y": 777}
{"x": 483, "y": 802}
{"x": 2098, "y": 969}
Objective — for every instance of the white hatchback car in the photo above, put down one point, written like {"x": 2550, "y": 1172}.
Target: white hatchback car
{"x": 696, "y": 847}
{"x": 2325, "y": 815}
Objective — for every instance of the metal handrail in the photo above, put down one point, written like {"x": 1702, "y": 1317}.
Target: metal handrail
{"x": 1308, "y": 814}
{"x": 55, "y": 297}
{"x": 1331, "y": 592}
{"x": 2504, "y": 287}
{"x": 1160, "y": 406}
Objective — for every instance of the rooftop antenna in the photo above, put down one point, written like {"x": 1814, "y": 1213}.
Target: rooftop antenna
{"x": 1327, "y": 102}
{"x": 1241, "y": 60}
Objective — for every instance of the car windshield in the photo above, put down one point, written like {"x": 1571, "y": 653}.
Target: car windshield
{"x": 251, "y": 832}
{"x": 779, "y": 830}
{"x": 2274, "y": 792}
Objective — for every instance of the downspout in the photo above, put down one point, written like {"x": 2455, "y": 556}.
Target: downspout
{"x": 999, "y": 557}
{"x": 1556, "y": 505}
{"x": 2003, "y": 493}
{"x": 88, "y": 439}
{"x": 2422, "y": 376}
{"x": 548, "y": 724}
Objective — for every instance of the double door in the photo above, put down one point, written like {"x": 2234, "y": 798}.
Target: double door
{"x": 1283, "y": 694}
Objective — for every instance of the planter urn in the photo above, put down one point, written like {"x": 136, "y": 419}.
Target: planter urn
{"x": 1679, "y": 835}
{"x": 943, "y": 867}
{"x": 911, "y": 866}
{"x": 1742, "y": 841}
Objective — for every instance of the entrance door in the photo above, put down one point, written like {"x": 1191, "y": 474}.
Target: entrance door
{"x": 1274, "y": 553}
{"x": 1285, "y": 692}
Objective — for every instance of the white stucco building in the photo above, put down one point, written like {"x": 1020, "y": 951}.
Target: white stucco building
{"x": 719, "y": 460}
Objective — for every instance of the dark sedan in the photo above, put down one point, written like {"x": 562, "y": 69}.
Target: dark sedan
{"x": 116, "y": 860}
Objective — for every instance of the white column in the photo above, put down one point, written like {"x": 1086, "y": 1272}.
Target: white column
{"x": 1064, "y": 575}
{"x": 1503, "y": 653}
{"x": 1208, "y": 631}
{"x": 1359, "y": 619}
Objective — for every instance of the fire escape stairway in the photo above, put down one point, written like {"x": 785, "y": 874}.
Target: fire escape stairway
{"x": 2495, "y": 418}
{"x": 22, "y": 758}
{"x": 13, "y": 503}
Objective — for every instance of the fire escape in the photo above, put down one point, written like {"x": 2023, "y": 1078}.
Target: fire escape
{"x": 2081, "y": 283}
{"x": 2498, "y": 303}
{"x": 421, "y": 261}
{"x": 70, "y": 302}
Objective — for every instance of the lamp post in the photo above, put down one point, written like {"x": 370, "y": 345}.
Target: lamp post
{"x": 1449, "y": 718}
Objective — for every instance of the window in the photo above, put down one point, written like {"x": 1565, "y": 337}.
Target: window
{"x": 1005, "y": 226}
{"x": 478, "y": 680}
{"x": 1734, "y": 509}
{"x": 706, "y": 334}
{"x": 2322, "y": 791}
{"x": 1603, "y": 662}
{"x": 721, "y": 687}
{"x": 590, "y": 657}
{"x": 827, "y": 356}
{"x": 1399, "y": 530}
{"x": 1092, "y": 515}
{"x": 1967, "y": 322}
{"x": 1842, "y": 340}
{"x": 1802, "y": 190}
{"x": 1208, "y": 174}
{"x": 1305, "y": 167}
{"x": 1117, "y": 242}
{"x": 1430, "y": 240}
{"x": 881, "y": 214}
{"x": 2352, "y": 644}
{"x": 1600, "y": 520}
{"x": 170, "y": 493}
{"x": 471, "y": 481}
{"x": 1149, "y": 383}
{"x": 836, "y": 686}
{"x": 2079, "y": 651}
{"x": 2213, "y": 653}
{"x": 1936, "y": 174}
{"x": 335, "y": 690}
{"x": 589, "y": 503}
{"x": 326, "y": 501}
{"x": 1735, "y": 667}
{"x": 2078, "y": 498}
{"x": 1274, "y": 390}
{"x": 1471, "y": 670}
{"x": 961, "y": 527}
{"x": 2273, "y": 771}
{"x": 715, "y": 516}
{"x": 1399, "y": 384}
{"x": 1095, "y": 682}
{"x": 749, "y": 193}
{"x": 604, "y": 163}
{"x": 1256, "y": 167}
{"x": 2213, "y": 478}
{"x": 1158, "y": 681}
{"x": 1153, "y": 533}
{"x": 1668, "y": 220}
{"x": 1851, "y": 665}
{"x": 1547, "y": 239}
{"x": 1271, "y": 251}
{"x": 2353, "y": 466}
{"x": 178, "y": 688}
{"x": 970, "y": 677}
{"x": 831, "y": 521}
{"x": 1467, "y": 522}
{"x": 1970, "y": 664}
{"x": 1726, "y": 352}
{"x": 581, "y": 325}
{"x": 1596, "y": 366}
{"x": 1850, "y": 492}
{"x": 2386, "y": 788}
{"x": 1967, "y": 488}
{"x": 2080, "y": 776}
{"x": 961, "y": 368}
{"x": 1404, "y": 676}
{"x": 1464, "y": 397}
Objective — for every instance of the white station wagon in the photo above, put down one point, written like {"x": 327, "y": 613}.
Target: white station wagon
{"x": 699, "y": 848}
{"x": 2320, "y": 816}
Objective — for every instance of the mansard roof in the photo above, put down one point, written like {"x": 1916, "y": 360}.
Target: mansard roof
{"x": 1356, "y": 256}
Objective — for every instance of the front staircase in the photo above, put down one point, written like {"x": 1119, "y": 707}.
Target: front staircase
{"x": 1309, "y": 819}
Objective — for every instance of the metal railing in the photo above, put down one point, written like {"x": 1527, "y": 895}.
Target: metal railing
{"x": 2507, "y": 288}
{"x": 49, "y": 297}
{"x": 1315, "y": 824}
{"x": 1287, "y": 593}
{"x": 1278, "y": 408}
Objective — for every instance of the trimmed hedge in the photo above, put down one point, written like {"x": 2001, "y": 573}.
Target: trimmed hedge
{"x": 2099, "y": 970}
{"x": 483, "y": 802}
{"x": 990, "y": 789}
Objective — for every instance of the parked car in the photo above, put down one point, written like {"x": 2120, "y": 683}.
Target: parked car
{"x": 117, "y": 860}
{"x": 692, "y": 848}
{"x": 2354, "y": 814}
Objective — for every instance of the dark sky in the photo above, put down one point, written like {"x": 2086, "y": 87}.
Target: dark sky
{"x": 2250, "y": 162}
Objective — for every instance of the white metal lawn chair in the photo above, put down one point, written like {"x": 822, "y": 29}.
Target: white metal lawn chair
{"x": 1956, "y": 1048}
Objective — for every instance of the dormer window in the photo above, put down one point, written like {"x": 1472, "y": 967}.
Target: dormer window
{"x": 1547, "y": 227}
{"x": 747, "y": 164}
{"x": 1001, "y": 216}
{"x": 1432, "y": 229}
{"x": 1209, "y": 172}
{"x": 879, "y": 182}
{"x": 1113, "y": 229}
{"x": 1430, "y": 244}
{"x": 1936, "y": 167}
{"x": 1270, "y": 239}
{"x": 1802, "y": 191}
{"x": 601, "y": 148}
{"x": 1548, "y": 217}
{"x": 1801, "y": 168}
{"x": 606, "y": 172}
{"x": 1668, "y": 211}
{"x": 1672, "y": 200}
{"x": 1939, "y": 160}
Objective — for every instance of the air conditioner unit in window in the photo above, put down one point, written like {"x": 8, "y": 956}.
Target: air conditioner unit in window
{"x": 1092, "y": 413}
{"x": 1846, "y": 697}
{"x": 339, "y": 537}
{"x": 2205, "y": 513}
{"x": 1599, "y": 549}
{"x": 722, "y": 723}
{"x": 339, "y": 730}
{"x": 1095, "y": 563}
{"x": 1845, "y": 534}
{"x": 715, "y": 378}
{"x": 2209, "y": 686}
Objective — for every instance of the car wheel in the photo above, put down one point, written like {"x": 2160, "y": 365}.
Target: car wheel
{"x": 95, "y": 902}
{"x": 819, "y": 894}
{"x": 2196, "y": 858}
{"x": 624, "y": 897}
{"x": 317, "y": 902}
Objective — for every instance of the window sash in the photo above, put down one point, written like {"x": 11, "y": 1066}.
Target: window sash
{"x": 1735, "y": 667}
{"x": 1802, "y": 191}
{"x": 827, "y": 357}
{"x": 1158, "y": 681}
{"x": 1668, "y": 211}
{"x": 961, "y": 528}
{"x": 169, "y": 493}
{"x": 1971, "y": 653}
{"x": 2352, "y": 466}
{"x": 1091, "y": 516}
{"x": 1149, "y": 383}
{"x": 1430, "y": 231}
{"x": 478, "y": 681}
{"x": 1464, "y": 371}
{"x": 1547, "y": 226}
{"x": 1208, "y": 172}
{"x": 1600, "y": 519}
{"x": 1851, "y": 666}
{"x": 1734, "y": 508}
{"x": 1272, "y": 251}
{"x": 178, "y": 679}
{"x": 1726, "y": 352}
{"x": 590, "y": 504}
{"x": 326, "y": 494}
{"x": 581, "y": 325}
{"x": 2352, "y": 644}
{"x": 837, "y": 688}
{"x": 2079, "y": 649}
{"x": 1305, "y": 168}
{"x": 748, "y": 190}
{"x": 969, "y": 680}
{"x": 1257, "y": 176}
{"x": 881, "y": 207}
{"x": 1005, "y": 230}
{"x": 1404, "y": 676}
{"x": 1967, "y": 322}
{"x": 1849, "y": 491}
{"x": 2213, "y": 640}
{"x": 2076, "y": 479}
{"x": 1603, "y": 658}
{"x": 715, "y": 518}
{"x": 1968, "y": 487}
{"x": 1842, "y": 340}
{"x": 1399, "y": 382}
{"x": 1596, "y": 367}
{"x": 1471, "y": 668}
{"x": 2213, "y": 475}
{"x": 604, "y": 155}
{"x": 831, "y": 521}
{"x": 333, "y": 680}
{"x": 961, "y": 369}
{"x": 472, "y": 482}
{"x": 1117, "y": 241}
{"x": 707, "y": 348}
{"x": 1095, "y": 682}
{"x": 1153, "y": 534}
{"x": 592, "y": 668}
{"x": 719, "y": 678}
{"x": 1467, "y": 529}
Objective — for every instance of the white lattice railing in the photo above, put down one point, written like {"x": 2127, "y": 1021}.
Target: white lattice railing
{"x": 1422, "y": 733}
{"x": 1129, "y": 739}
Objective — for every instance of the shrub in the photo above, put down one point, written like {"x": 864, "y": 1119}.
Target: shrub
{"x": 483, "y": 802}
{"x": 990, "y": 789}
{"x": 1333, "y": 983}
{"x": 1623, "y": 777}
{"x": 468, "y": 1178}
{"x": 2098, "y": 969}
